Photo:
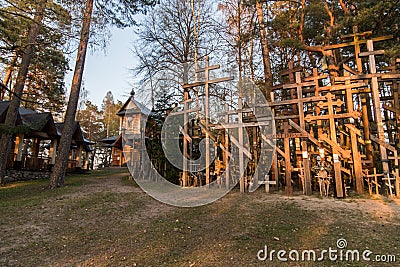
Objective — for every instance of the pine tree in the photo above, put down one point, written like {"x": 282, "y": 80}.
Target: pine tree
{"x": 118, "y": 12}
{"x": 109, "y": 119}
{"x": 28, "y": 52}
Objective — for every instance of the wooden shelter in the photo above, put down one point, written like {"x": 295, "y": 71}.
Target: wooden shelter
{"x": 36, "y": 141}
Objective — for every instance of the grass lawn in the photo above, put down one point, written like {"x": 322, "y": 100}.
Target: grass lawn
{"x": 103, "y": 219}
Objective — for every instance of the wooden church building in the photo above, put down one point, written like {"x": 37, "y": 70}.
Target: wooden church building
{"x": 127, "y": 145}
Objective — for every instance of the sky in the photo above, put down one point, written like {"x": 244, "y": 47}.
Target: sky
{"x": 110, "y": 70}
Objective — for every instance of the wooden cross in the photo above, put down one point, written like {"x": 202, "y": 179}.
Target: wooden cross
{"x": 206, "y": 83}
{"x": 298, "y": 101}
{"x": 356, "y": 43}
{"x": 243, "y": 151}
{"x": 373, "y": 182}
{"x": 333, "y": 140}
{"x": 331, "y": 115}
{"x": 388, "y": 183}
{"x": 376, "y": 99}
{"x": 267, "y": 183}
{"x": 336, "y": 163}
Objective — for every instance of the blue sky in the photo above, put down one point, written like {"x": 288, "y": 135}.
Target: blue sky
{"x": 110, "y": 70}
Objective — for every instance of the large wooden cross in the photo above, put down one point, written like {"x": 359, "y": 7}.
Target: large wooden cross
{"x": 330, "y": 104}
{"x": 299, "y": 101}
{"x": 241, "y": 126}
{"x": 206, "y": 83}
{"x": 376, "y": 100}
{"x": 359, "y": 39}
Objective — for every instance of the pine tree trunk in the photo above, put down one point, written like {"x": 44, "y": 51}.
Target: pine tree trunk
{"x": 12, "y": 113}
{"x": 58, "y": 174}
{"x": 264, "y": 50}
{"x": 7, "y": 78}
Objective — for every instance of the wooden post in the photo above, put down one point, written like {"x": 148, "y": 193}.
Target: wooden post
{"x": 78, "y": 156}
{"x": 307, "y": 172}
{"x": 364, "y": 102}
{"x": 226, "y": 144}
{"x": 275, "y": 155}
{"x": 357, "y": 164}
{"x": 19, "y": 144}
{"x": 356, "y": 158}
{"x": 241, "y": 156}
{"x": 207, "y": 113}
{"x": 336, "y": 162}
{"x": 397, "y": 173}
{"x": 53, "y": 151}
{"x": 35, "y": 147}
{"x": 307, "y": 189}
{"x": 396, "y": 103}
{"x": 377, "y": 104}
{"x": 288, "y": 170}
{"x": 86, "y": 165}
{"x": 185, "y": 141}
{"x": 397, "y": 186}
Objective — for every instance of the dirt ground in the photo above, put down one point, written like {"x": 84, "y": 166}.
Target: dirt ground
{"x": 103, "y": 219}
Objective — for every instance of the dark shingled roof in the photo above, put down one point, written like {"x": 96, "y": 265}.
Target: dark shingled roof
{"x": 109, "y": 140}
{"x": 78, "y": 136}
{"x": 40, "y": 122}
{"x": 42, "y": 125}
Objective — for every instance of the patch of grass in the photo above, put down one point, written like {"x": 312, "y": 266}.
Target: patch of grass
{"x": 103, "y": 219}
